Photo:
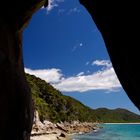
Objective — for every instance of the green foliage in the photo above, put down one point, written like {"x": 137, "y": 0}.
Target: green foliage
{"x": 117, "y": 116}
{"x": 54, "y": 106}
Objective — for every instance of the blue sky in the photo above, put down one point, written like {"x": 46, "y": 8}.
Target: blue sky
{"x": 63, "y": 46}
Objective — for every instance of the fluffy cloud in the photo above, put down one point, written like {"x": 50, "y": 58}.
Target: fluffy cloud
{"x": 104, "y": 79}
{"x": 52, "y": 4}
{"x": 101, "y": 80}
{"x": 49, "y": 75}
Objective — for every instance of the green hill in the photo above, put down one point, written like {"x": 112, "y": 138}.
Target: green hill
{"x": 116, "y": 116}
{"x": 54, "y": 106}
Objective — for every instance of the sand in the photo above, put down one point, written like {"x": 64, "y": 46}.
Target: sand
{"x": 49, "y": 137}
{"x": 45, "y": 137}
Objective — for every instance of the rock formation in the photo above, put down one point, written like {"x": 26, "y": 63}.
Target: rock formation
{"x": 60, "y": 130}
{"x": 15, "y": 99}
{"x": 63, "y": 128}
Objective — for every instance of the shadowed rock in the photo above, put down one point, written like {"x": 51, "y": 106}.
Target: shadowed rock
{"x": 15, "y": 99}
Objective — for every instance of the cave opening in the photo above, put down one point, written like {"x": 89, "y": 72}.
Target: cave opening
{"x": 63, "y": 46}
{"x": 16, "y": 108}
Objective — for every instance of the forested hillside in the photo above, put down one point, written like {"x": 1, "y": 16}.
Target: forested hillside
{"x": 54, "y": 106}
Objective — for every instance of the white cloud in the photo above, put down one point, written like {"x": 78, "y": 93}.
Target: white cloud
{"x": 101, "y": 80}
{"x": 52, "y": 4}
{"x": 49, "y": 75}
{"x": 105, "y": 63}
{"x": 105, "y": 79}
{"x": 80, "y": 74}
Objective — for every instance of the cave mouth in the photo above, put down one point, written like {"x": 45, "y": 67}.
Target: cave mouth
{"x": 16, "y": 97}
{"x": 59, "y": 46}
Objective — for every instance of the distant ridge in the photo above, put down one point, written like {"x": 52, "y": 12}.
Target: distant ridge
{"x": 116, "y": 116}
{"x": 56, "y": 107}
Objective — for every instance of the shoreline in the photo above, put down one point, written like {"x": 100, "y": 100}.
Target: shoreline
{"x": 49, "y": 137}
{"x": 64, "y": 130}
{"x": 121, "y": 123}
{"x": 60, "y": 131}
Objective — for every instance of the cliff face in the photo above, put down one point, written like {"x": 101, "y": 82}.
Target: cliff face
{"x": 15, "y": 99}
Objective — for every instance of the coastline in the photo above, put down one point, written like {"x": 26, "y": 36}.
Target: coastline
{"x": 121, "y": 123}
{"x": 49, "y": 137}
{"x": 64, "y": 130}
{"x": 60, "y": 131}
{"x": 119, "y": 131}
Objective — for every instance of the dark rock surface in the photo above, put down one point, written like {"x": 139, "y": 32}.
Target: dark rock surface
{"x": 15, "y": 99}
{"x": 62, "y": 135}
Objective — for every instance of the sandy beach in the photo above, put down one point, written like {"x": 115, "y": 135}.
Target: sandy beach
{"x": 45, "y": 137}
{"x": 49, "y": 137}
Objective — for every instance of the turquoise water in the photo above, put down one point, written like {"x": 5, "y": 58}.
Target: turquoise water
{"x": 113, "y": 132}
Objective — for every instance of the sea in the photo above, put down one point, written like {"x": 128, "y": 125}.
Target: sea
{"x": 112, "y": 132}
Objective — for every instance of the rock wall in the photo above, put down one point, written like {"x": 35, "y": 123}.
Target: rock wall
{"x": 15, "y": 99}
